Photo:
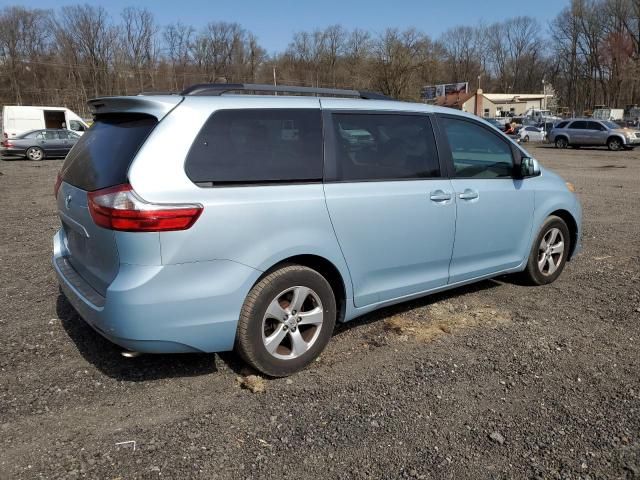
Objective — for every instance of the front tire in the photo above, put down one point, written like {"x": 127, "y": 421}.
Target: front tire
{"x": 35, "y": 154}
{"x": 286, "y": 321}
{"x": 614, "y": 144}
{"x": 549, "y": 252}
{"x": 561, "y": 143}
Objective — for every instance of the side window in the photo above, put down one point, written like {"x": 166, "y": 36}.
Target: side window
{"x": 50, "y": 135}
{"x": 476, "y": 151}
{"x": 41, "y": 135}
{"x": 579, "y": 125}
{"x": 62, "y": 134}
{"x": 595, "y": 126}
{"x": 384, "y": 147}
{"x": 257, "y": 146}
{"x": 76, "y": 126}
{"x": 561, "y": 125}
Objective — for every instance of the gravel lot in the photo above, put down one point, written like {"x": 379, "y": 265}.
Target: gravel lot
{"x": 496, "y": 380}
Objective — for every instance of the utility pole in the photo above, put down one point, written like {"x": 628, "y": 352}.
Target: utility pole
{"x": 275, "y": 83}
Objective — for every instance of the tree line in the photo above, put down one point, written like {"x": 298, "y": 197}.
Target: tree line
{"x": 590, "y": 54}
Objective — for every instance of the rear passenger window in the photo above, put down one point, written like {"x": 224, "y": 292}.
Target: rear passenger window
{"x": 561, "y": 125}
{"x": 384, "y": 147}
{"x": 257, "y": 146}
{"x": 580, "y": 125}
{"x": 476, "y": 151}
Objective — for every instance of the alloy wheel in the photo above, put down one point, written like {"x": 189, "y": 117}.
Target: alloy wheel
{"x": 292, "y": 322}
{"x": 35, "y": 154}
{"x": 550, "y": 252}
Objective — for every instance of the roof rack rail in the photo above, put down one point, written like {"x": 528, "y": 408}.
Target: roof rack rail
{"x": 216, "y": 89}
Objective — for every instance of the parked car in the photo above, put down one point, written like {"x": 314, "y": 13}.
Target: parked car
{"x": 495, "y": 123}
{"x": 590, "y": 132}
{"x": 233, "y": 235}
{"x": 17, "y": 120}
{"x": 534, "y": 134}
{"x": 37, "y": 145}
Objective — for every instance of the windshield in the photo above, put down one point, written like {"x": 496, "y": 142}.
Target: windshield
{"x": 610, "y": 125}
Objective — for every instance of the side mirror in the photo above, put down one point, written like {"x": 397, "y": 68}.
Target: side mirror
{"x": 529, "y": 167}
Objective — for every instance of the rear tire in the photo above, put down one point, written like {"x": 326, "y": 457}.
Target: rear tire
{"x": 35, "y": 154}
{"x": 549, "y": 252}
{"x": 286, "y": 321}
{"x": 561, "y": 143}
{"x": 526, "y": 138}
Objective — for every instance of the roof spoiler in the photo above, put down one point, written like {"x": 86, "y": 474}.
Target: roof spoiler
{"x": 158, "y": 106}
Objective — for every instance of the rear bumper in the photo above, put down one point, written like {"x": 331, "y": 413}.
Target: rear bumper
{"x": 191, "y": 307}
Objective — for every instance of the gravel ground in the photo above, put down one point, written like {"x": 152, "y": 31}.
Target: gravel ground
{"x": 495, "y": 380}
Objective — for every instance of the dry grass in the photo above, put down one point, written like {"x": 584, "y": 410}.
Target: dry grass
{"x": 253, "y": 383}
{"x": 445, "y": 318}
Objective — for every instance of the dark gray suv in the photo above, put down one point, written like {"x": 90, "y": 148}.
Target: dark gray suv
{"x": 592, "y": 132}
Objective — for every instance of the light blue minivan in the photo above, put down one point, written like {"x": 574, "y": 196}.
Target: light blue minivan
{"x": 211, "y": 220}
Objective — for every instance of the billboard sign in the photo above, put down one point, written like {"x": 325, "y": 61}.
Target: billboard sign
{"x": 431, "y": 92}
{"x": 453, "y": 88}
{"x": 428, "y": 92}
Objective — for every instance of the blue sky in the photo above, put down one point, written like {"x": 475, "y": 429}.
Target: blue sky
{"x": 275, "y": 21}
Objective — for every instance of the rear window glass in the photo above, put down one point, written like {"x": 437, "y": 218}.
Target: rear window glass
{"x": 257, "y": 146}
{"x": 102, "y": 156}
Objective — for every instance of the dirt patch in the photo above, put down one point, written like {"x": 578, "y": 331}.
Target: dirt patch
{"x": 446, "y": 318}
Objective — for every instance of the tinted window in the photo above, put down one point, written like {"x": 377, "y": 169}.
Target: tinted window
{"x": 594, "y": 126}
{"x": 561, "y": 125}
{"x": 384, "y": 147}
{"x": 476, "y": 151}
{"x": 30, "y": 135}
{"x": 258, "y": 146}
{"x": 50, "y": 135}
{"x": 101, "y": 157}
{"x": 579, "y": 124}
{"x": 62, "y": 134}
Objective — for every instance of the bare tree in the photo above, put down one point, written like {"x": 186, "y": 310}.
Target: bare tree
{"x": 23, "y": 37}
{"x": 178, "y": 41}
{"x": 137, "y": 37}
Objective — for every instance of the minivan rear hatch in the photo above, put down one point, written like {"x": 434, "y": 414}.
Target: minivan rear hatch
{"x": 99, "y": 160}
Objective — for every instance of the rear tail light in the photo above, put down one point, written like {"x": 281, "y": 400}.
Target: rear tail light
{"x": 6, "y": 144}
{"x": 120, "y": 208}
{"x": 56, "y": 186}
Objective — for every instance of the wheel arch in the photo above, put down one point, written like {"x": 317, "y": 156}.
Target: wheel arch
{"x": 618, "y": 137}
{"x": 571, "y": 224}
{"x": 323, "y": 266}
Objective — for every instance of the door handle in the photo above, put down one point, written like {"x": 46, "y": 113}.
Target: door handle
{"x": 440, "y": 196}
{"x": 468, "y": 194}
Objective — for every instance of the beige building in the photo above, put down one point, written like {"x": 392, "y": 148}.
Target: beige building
{"x": 495, "y": 104}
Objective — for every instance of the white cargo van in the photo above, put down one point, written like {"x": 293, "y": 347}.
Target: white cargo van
{"x": 20, "y": 119}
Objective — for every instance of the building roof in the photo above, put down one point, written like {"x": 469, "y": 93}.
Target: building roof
{"x": 514, "y": 97}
